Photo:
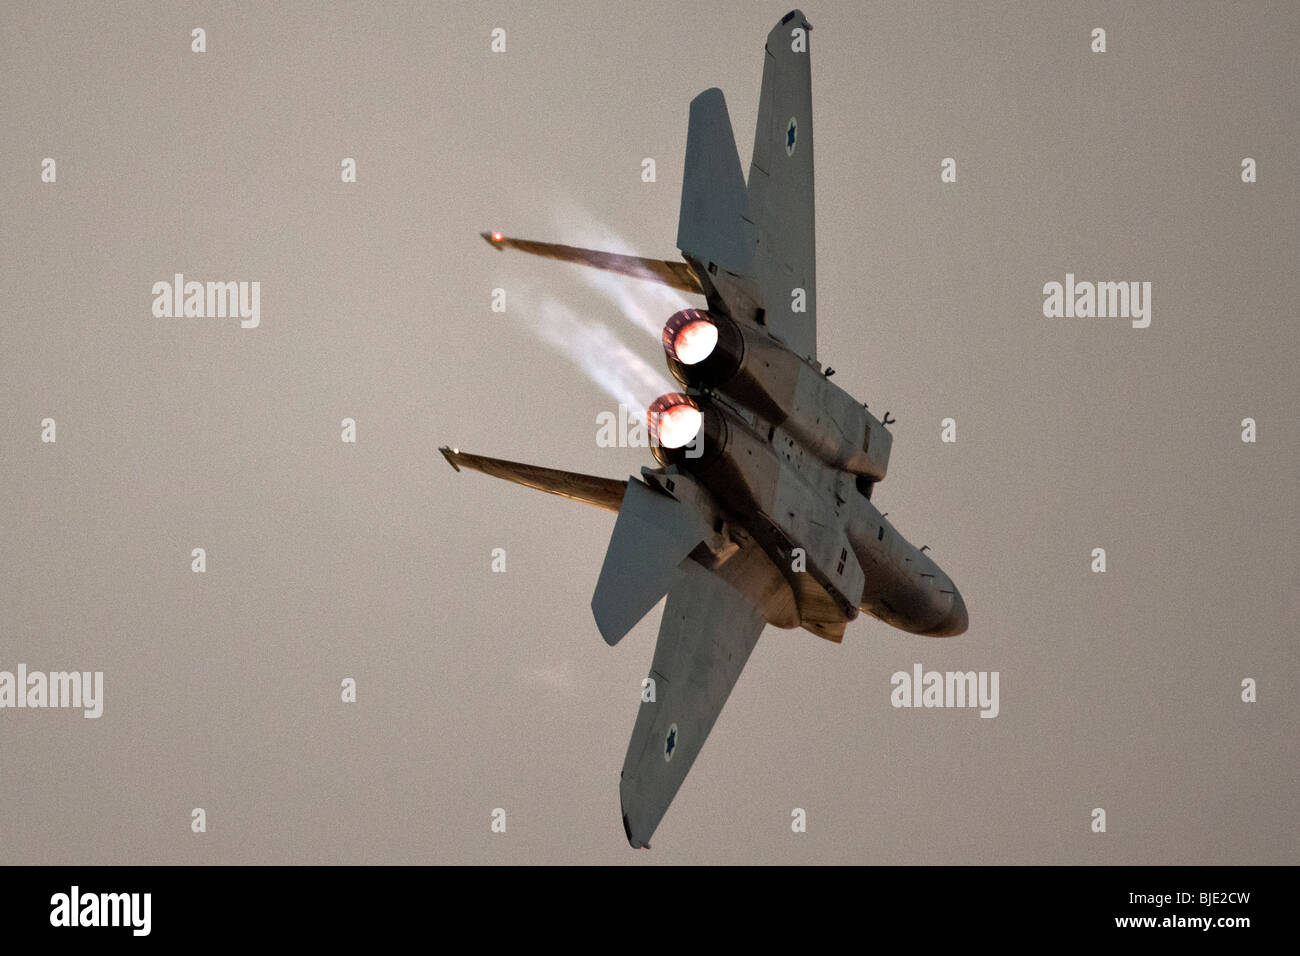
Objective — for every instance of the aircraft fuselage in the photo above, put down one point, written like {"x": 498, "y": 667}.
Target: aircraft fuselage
{"x": 792, "y": 458}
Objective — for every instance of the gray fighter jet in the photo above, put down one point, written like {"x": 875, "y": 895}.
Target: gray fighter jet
{"x": 760, "y": 510}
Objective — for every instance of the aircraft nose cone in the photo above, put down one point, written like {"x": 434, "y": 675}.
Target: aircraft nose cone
{"x": 956, "y": 621}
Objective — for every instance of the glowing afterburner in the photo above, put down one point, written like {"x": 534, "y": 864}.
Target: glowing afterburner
{"x": 674, "y": 420}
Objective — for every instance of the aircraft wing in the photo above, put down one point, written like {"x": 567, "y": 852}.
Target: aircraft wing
{"x": 706, "y": 635}
{"x": 781, "y": 187}
{"x": 675, "y": 275}
{"x": 606, "y": 493}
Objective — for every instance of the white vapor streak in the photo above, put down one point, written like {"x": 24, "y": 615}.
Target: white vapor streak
{"x": 623, "y": 375}
{"x": 594, "y": 347}
{"x": 644, "y": 303}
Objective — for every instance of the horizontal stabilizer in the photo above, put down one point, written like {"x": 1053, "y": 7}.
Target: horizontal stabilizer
{"x": 604, "y": 493}
{"x": 653, "y": 535}
{"x": 675, "y": 275}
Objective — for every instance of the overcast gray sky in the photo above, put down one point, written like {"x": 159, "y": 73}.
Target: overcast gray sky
{"x": 479, "y": 690}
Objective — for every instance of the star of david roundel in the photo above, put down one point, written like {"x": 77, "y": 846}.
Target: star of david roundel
{"x": 791, "y": 136}
{"x": 670, "y": 743}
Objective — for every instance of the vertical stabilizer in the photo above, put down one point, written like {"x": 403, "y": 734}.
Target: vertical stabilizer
{"x": 714, "y": 224}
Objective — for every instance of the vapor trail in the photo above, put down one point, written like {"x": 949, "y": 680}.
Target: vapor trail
{"x": 646, "y": 305}
{"x": 620, "y": 372}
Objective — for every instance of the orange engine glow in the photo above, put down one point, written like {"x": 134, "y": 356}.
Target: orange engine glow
{"x": 694, "y": 341}
{"x": 678, "y": 425}
{"x": 674, "y": 420}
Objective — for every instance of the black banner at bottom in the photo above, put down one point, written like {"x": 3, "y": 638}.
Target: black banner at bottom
{"x": 93, "y": 905}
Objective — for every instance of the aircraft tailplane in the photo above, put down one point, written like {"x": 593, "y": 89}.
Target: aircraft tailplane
{"x": 655, "y": 533}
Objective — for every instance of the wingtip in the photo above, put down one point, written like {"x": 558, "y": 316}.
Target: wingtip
{"x": 631, "y": 841}
{"x": 779, "y": 34}
{"x": 494, "y": 239}
{"x": 450, "y": 454}
{"x": 609, "y": 633}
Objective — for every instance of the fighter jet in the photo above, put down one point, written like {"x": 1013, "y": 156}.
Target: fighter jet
{"x": 759, "y": 510}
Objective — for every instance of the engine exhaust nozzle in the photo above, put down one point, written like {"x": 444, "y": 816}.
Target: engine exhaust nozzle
{"x": 703, "y": 348}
